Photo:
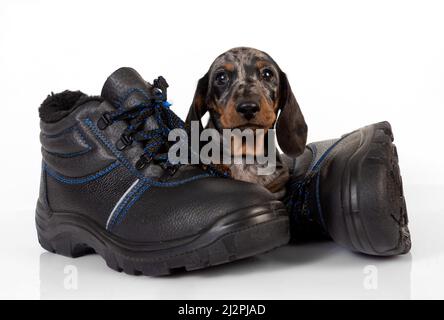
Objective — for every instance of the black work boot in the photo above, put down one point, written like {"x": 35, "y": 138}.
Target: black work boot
{"x": 108, "y": 187}
{"x": 350, "y": 189}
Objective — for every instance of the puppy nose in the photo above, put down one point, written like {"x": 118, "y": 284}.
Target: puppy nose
{"x": 248, "y": 109}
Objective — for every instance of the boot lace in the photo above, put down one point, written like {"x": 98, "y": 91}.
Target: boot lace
{"x": 297, "y": 200}
{"x": 155, "y": 141}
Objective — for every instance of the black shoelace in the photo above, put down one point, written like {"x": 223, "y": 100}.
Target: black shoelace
{"x": 155, "y": 141}
{"x": 297, "y": 198}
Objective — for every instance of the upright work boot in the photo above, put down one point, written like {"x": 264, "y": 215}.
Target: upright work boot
{"x": 350, "y": 189}
{"x": 107, "y": 187}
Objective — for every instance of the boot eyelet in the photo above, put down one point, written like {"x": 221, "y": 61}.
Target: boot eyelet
{"x": 104, "y": 121}
{"x": 142, "y": 162}
{"x": 124, "y": 142}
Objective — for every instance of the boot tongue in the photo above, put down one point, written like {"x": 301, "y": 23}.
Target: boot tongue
{"x": 126, "y": 89}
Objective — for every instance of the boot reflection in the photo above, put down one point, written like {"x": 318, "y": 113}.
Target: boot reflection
{"x": 306, "y": 271}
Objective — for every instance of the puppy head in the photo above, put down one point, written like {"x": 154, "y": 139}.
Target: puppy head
{"x": 245, "y": 88}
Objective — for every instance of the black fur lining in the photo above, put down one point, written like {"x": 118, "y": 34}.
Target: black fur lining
{"x": 59, "y": 105}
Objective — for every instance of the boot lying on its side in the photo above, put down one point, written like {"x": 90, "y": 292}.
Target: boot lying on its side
{"x": 350, "y": 189}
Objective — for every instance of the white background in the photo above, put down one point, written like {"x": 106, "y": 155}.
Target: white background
{"x": 350, "y": 63}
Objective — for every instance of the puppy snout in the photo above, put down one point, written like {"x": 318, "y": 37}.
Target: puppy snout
{"x": 248, "y": 109}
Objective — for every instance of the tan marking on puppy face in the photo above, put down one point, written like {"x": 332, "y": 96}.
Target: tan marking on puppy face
{"x": 229, "y": 67}
{"x": 267, "y": 114}
{"x": 261, "y": 63}
{"x": 228, "y": 114}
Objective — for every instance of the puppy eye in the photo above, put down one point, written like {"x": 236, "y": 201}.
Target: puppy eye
{"x": 267, "y": 74}
{"x": 221, "y": 78}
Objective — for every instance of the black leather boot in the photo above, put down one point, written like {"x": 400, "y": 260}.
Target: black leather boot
{"x": 108, "y": 187}
{"x": 350, "y": 189}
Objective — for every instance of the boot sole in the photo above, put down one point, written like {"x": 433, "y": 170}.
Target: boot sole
{"x": 372, "y": 195}
{"x": 245, "y": 233}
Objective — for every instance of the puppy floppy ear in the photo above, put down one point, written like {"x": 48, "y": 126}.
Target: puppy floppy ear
{"x": 199, "y": 106}
{"x": 291, "y": 129}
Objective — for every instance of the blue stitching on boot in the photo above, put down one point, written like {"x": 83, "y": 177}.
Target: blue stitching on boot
{"x": 62, "y": 133}
{"x": 122, "y": 101}
{"x": 177, "y": 183}
{"x": 69, "y": 180}
{"x": 134, "y": 199}
{"x": 112, "y": 148}
{"x": 65, "y": 131}
{"x": 124, "y": 203}
{"x": 130, "y": 167}
{"x": 327, "y": 152}
{"x": 68, "y": 155}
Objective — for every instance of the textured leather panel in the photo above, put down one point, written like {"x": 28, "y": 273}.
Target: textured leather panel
{"x": 95, "y": 199}
{"x": 319, "y": 149}
{"x": 126, "y": 88}
{"x": 303, "y": 164}
{"x": 163, "y": 214}
{"x": 111, "y": 135}
{"x": 84, "y": 163}
{"x": 69, "y": 143}
{"x": 186, "y": 172}
{"x": 99, "y": 156}
{"x": 79, "y": 166}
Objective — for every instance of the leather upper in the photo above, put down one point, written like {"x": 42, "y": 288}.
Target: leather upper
{"x": 85, "y": 174}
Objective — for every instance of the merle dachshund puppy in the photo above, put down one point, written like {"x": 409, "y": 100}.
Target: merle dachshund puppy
{"x": 245, "y": 88}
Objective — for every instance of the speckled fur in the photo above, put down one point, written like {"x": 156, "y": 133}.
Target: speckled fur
{"x": 244, "y": 68}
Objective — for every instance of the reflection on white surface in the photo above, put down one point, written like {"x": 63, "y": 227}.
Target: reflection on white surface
{"x": 311, "y": 270}
{"x": 316, "y": 270}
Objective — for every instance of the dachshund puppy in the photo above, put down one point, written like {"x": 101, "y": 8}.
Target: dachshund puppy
{"x": 245, "y": 88}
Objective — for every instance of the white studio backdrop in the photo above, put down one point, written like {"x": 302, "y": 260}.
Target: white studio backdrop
{"x": 350, "y": 63}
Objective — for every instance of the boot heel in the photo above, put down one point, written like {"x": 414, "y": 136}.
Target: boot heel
{"x": 57, "y": 241}
{"x": 65, "y": 245}
{"x": 45, "y": 244}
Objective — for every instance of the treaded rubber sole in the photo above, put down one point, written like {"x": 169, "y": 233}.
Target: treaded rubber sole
{"x": 374, "y": 206}
{"x": 260, "y": 231}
